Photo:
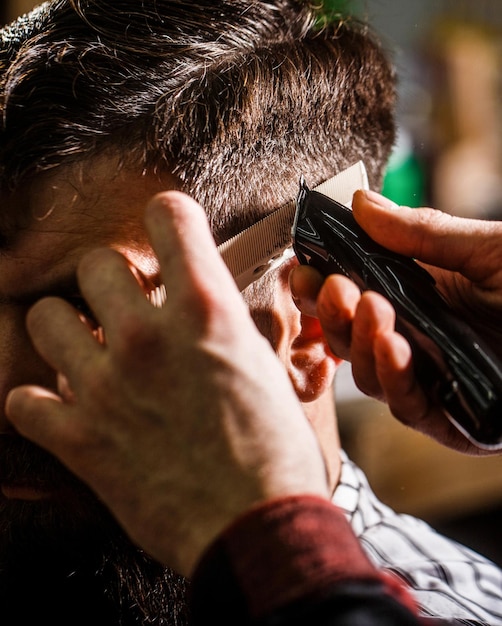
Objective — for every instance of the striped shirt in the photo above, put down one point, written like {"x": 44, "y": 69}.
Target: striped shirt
{"x": 447, "y": 579}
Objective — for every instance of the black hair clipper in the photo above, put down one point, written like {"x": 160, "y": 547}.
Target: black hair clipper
{"x": 451, "y": 362}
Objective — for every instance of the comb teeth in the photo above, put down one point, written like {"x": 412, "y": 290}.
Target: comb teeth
{"x": 158, "y": 296}
{"x": 261, "y": 247}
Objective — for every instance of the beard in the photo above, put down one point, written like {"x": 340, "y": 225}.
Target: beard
{"x": 64, "y": 559}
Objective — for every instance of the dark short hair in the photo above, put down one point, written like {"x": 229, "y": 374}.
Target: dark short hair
{"x": 235, "y": 98}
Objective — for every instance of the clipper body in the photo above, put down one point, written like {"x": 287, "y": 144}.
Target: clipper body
{"x": 452, "y": 363}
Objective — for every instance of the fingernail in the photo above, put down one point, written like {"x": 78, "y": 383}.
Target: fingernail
{"x": 381, "y": 201}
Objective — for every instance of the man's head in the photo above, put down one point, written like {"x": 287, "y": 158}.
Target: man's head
{"x": 231, "y": 100}
{"x": 106, "y": 103}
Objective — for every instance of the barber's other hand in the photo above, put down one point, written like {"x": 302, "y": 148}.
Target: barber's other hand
{"x": 465, "y": 258}
{"x": 184, "y": 417}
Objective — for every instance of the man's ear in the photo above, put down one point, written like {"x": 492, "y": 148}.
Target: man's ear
{"x": 300, "y": 343}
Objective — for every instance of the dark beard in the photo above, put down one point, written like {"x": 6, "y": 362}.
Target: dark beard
{"x": 66, "y": 562}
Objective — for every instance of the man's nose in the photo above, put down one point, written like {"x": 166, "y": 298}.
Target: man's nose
{"x": 19, "y": 362}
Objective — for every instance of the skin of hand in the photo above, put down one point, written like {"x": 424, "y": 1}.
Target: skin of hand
{"x": 182, "y": 418}
{"x": 465, "y": 258}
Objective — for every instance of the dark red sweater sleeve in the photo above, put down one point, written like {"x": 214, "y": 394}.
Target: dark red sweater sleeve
{"x": 295, "y": 561}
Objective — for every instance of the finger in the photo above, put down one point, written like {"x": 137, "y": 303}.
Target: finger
{"x": 39, "y": 415}
{"x": 394, "y": 367}
{"x": 429, "y": 235}
{"x": 112, "y": 291}
{"x": 374, "y": 316}
{"x": 60, "y": 336}
{"x": 406, "y": 399}
{"x": 305, "y": 284}
{"x": 336, "y": 307}
{"x": 65, "y": 391}
{"x": 181, "y": 237}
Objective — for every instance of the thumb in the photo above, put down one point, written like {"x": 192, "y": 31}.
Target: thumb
{"x": 470, "y": 246}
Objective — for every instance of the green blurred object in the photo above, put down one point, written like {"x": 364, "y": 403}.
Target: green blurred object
{"x": 336, "y": 5}
{"x": 404, "y": 180}
{"x": 339, "y": 8}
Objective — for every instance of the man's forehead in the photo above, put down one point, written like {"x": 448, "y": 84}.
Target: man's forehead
{"x": 52, "y": 222}
{"x": 99, "y": 192}
{"x": 46, "y": 203}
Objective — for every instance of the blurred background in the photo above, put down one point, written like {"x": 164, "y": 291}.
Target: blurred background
{"x": 448, "y": 155}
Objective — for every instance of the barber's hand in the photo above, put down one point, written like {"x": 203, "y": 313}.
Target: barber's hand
{"x": 183, "y": 418}
{"x": 464, "y": 256}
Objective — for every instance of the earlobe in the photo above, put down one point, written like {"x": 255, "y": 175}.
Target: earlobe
{"x": 311, "y": 365}
{"x": 301, "y": 345}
